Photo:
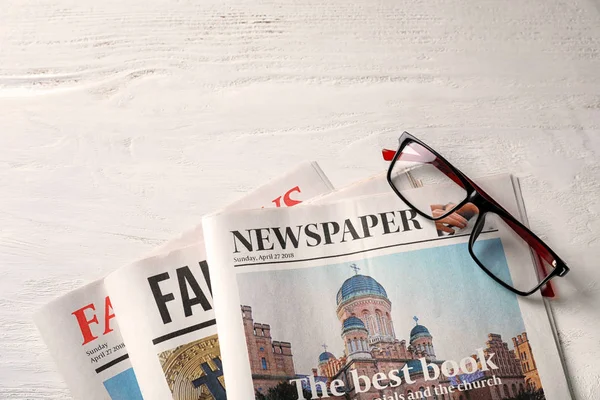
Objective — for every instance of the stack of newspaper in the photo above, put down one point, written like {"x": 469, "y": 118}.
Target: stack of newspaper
{"x": 347, "y": 295}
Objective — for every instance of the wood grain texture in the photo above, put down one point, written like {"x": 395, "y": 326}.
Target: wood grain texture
{"x": 121, "y": 123}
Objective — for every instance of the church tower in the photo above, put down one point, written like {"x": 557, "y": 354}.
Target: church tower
{"x": 421, "y": 340}
{"x": 363, "y": 298}
{"x": 355, "y": 337}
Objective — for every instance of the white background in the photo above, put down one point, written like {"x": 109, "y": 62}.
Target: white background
{"x": 121, "y": 123}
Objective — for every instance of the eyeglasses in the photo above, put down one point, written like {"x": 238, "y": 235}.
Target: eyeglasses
{"x": 461, "y": 200}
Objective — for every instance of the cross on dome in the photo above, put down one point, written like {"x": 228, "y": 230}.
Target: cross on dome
{"x": 355, "y": 268}
{"x": 324, "y": 346}
{"x": 416, "y": 320}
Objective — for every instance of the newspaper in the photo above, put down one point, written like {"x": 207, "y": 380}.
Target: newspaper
{"x": 83, "y": 336}
{"x": 82, "y": 332}
{"x": 364, "y": 299}
{"x": 164, "y": 303}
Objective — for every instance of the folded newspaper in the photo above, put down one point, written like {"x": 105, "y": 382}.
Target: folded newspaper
{"x": 95, "y": 347}
{"x": 364, "y": 299}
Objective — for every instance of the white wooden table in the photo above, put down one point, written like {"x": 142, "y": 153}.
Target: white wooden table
{"x": 121, "y": 123}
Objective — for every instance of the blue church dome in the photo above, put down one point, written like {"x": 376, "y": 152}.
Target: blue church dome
{"x": 419, "y": 330}
{"x": 359, "y": 285}
{"x": 326, "y": 356}
{"x": 414, "y": 367}
{"x": 353, "y": 323}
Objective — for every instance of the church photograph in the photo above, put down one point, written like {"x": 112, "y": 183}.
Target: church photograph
{"x": 368, "y": 326}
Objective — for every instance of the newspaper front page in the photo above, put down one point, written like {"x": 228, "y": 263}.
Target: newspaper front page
{"x": 363, "y": 299}
{"x": 165, "y": 308}
{"x": 81, "y": 328}
{"x": 83, "y": 336}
